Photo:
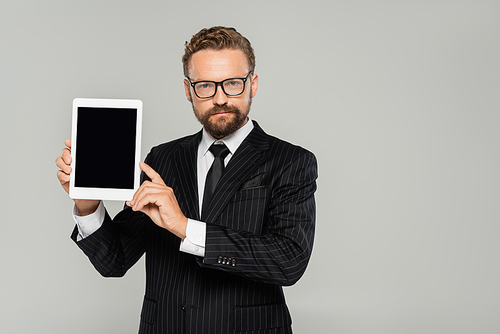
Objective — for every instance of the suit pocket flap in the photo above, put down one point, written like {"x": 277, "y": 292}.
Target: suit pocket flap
{"x": 149, "y": 310}
{"x": 249, "y": 318}
{"x": 255, "y": 181}
{"x": 250, "y": 194}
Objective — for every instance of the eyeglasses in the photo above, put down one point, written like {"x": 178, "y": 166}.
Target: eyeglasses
{"x": 230, "y": 87}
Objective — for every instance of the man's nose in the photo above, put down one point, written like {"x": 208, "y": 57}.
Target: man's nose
{"x": 220, "y": 97}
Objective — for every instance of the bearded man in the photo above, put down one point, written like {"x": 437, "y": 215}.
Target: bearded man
{"x": 225, "y": 217}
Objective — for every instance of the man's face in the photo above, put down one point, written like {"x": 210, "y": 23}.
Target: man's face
{"x": 221, "y": 115}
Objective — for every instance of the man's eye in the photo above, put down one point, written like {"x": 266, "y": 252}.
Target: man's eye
{"x": 203, "y": 86}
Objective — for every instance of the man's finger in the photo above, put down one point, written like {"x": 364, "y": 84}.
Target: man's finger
{"x": 66, "y": 156}
{"x": 62, "y": 177}
{"x": 149, "y": 192}
{"x": 63, "y": 165}
{"x": 154, "y": 176}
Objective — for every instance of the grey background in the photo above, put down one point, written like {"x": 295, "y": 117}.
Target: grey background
{"x": 399, "y": 100}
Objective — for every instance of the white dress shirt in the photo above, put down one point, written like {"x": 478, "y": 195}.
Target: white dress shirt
{"x": 194, "y": 243}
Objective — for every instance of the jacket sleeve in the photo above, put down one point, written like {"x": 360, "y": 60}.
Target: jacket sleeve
{"x": 280, "y": 254}
{"x": 117, "y": 245}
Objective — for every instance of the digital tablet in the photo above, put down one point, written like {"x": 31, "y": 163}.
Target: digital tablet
{"x": 105, "y": 149}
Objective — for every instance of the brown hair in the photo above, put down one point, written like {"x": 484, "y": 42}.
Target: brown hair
{"x": 217, "y": 38}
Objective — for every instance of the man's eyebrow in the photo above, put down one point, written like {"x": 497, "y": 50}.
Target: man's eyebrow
{"x": 232, "y": 77}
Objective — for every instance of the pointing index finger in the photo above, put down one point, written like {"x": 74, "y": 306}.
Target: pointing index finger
{"x": 153, "y": 175}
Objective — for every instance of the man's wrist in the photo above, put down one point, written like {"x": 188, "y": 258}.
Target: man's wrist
{"x": 86, "y": 207}
{"x": 182, "y": 233}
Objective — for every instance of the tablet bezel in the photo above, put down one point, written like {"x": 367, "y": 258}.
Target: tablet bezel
{"x": 113, "y": 194}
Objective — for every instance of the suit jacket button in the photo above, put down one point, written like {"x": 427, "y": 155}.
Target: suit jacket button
{"x": 224, "y": 260}
{"x": 228, "y": 260}
{"x": 219, "y": 260}
{"x": 184, "y": 306}
{"x": 234, "y": 262}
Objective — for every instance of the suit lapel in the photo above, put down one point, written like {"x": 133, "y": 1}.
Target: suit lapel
{"x": 185, "y": 162}
{"x": 247, "y": 158}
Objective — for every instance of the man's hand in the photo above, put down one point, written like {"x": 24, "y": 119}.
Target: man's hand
{"x": 85, "y": 207}
{"x": 158, "y": 201}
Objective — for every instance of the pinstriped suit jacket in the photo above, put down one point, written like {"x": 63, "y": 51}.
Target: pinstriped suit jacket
{"x": 260, "y": 231}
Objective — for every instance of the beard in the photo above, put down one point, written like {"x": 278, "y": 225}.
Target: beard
{"x": 220, "y": 127}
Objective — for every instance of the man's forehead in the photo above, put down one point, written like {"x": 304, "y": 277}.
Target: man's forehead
{"x": 217, "y": 64}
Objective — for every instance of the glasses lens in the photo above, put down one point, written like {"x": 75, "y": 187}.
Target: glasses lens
{"x": 234, "y": 86}
{"x": 204, "y": 88}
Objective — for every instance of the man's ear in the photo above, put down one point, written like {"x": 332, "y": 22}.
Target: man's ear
{"x": 255, "y": 85}
{"x": 187, "y": 91}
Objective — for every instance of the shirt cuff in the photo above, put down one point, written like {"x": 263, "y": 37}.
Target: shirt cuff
{"x": 89, "y": 224}
{"x": 194, "y": 243}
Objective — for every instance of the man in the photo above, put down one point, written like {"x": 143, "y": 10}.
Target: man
{"x": 224, "y": 216}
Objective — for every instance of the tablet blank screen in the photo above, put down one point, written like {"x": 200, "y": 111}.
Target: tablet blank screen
{"x": 105, "y": 147}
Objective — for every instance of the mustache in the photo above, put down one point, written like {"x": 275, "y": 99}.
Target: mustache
{"x": 223, "y": 108}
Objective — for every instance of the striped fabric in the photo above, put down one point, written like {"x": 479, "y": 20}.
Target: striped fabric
{"x": 260, "y": 231}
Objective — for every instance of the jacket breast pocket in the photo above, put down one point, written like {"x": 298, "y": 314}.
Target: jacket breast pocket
{"x": 262, "y": 317}
{"x": 247, "y": 210}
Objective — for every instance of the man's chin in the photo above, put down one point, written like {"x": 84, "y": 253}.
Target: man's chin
{"x": 222, "y": 125}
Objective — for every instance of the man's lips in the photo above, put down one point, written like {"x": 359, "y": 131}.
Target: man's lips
{"x": 219, "y": 113}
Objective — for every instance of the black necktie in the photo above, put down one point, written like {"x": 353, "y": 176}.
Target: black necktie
{"x": 214, "y": 174}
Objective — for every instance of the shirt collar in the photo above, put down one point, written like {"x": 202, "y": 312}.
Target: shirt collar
{"x": 232, "y": 141}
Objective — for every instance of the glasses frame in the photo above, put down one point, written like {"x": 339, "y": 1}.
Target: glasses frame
{"x": 221, "y": 84}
